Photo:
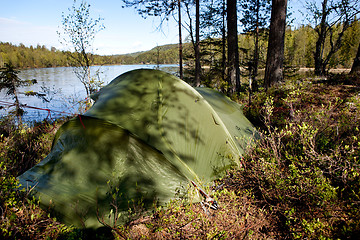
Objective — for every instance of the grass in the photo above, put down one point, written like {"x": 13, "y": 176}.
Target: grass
{"x": 300, "y": 181}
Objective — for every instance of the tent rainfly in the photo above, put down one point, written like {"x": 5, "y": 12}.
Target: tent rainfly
{"x": 148, "y": 135}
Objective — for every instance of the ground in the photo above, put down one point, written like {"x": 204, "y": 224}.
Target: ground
{"x": 301, "y": 180}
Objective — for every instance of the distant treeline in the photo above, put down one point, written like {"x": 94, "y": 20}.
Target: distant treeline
{"x": 31, "y": 57}
{"x": 166, "y": 54}
{"x": 40, "y": 56}
{"x": 300, "y": 47}
{"x": 299, "y": 50}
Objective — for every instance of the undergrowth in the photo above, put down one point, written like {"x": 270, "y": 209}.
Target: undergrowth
{"x": 299, "y": 181}
{"x": 305, "y": 169}
{"x": 21, "y": 147}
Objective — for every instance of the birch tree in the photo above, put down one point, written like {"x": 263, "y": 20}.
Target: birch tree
{"x": 78, "y": 33}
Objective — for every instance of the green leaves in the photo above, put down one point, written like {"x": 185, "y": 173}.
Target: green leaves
{"x": 78, "y": 33}
{"x": 306, "y": 168}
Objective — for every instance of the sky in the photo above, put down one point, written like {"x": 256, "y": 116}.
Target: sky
{"x": 33, "y": 22}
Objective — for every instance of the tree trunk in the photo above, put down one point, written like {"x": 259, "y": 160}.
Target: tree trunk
{"x": 19, "y": 111}
{"x": 180, "y": 42}
{"x": 253, "y": 85}
{"x": 275, "y": 53}
{"x": 355, "y": 69}
{"x": 318, "y": 55}
{"x": 233, "y": 51}
{"x": 197, "y": 45}
{"x": 223, "y": 32}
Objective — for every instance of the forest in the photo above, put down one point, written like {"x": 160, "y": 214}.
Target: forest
{"x": 299, "y": 46}
{"x": 299, "y": 181}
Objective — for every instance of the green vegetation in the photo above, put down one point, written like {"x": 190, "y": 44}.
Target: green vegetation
{"x": 305, "y": 170}
{"x": 21, "y": 148}
{"x": 11, "y": 82}
{"x": 299, "y": 46}
{"x": 41, "y": 57}
{"x": 31, "y": 57}
{"x": 300, "y": 181}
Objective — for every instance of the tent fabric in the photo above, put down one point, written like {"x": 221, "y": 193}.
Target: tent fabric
{"x": 146, "y": 137}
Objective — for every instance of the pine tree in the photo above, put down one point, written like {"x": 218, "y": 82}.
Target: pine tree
{"x": 233, "y": 48}
{"x": 10, "y": 81}
{"x": 275, "y": 55}
{"x": 355, "y": 69}
{"x": 255, "y": 18}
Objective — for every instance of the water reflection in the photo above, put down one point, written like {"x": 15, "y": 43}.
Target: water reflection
{"x": 63, "y": 89}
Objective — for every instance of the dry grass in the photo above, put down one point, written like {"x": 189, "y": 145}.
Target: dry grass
{"x": 237, "y": 218}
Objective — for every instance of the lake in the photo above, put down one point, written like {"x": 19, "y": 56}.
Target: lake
{"x": 63, "y": 89}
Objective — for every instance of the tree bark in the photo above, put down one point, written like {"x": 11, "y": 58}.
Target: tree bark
{"x": 355, "y": 69}
{"x": 223, "y": 32}
{"x": 197, "y": 45}
{"x": 318, "y": 55}
{"x": 17, "y": 103}
{"x": 275, "y": 54}
{"x": 180, "y": 43}
{"x": 233, "y": 50}
{"x": 253, "y": 85}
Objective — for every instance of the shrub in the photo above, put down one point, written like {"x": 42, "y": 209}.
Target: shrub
{"x": 305, "y": 168}
{"x": 21, "y": 147}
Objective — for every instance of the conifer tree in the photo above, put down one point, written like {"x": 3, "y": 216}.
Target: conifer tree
{"x": 10, "y": 81}
{"x": 355, "y": 69}
{"x": 233, "y": 48}
{"x": 326, "y": 18}
{"x": 163, "y": 10}
{"x": 254, "y": 19}
{"x": 275, "y": 55}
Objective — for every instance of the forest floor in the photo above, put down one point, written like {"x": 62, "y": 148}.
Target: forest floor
{"x": 300, "y": 181}
{"x": 333, "y": 71}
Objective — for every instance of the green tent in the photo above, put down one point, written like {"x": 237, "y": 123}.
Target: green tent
{"x": 146, "y": 137}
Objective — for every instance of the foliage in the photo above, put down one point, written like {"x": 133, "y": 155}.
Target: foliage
{"x": 145, "y": 8}
{"x": 305, "y": 169}
{"x": 237, "y": 218}
{"x": 22, "y": 147}
{"x": 30, "y": 57}
{"x": 159, "y": 55}
{"x": 300, "y": 181}
{"x": 38, "y": 57}
{"x": 331, "y": 21}
{"x": 256, "y": 14}
{"x": 299, "y": 47}
{"x": 10, "y": 81}
{"x": 255, "y": 19}
{"x": 78, "y": 33}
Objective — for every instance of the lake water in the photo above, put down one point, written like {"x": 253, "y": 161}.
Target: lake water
{"x": 63, "y": 89}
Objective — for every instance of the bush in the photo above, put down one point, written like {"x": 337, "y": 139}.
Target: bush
{"x": 21, "y": 147}
{"x": 305, "y": 168}
{"x": 300, "y": 181}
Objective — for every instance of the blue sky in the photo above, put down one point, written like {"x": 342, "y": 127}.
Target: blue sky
{"x": 33, "y": 22}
